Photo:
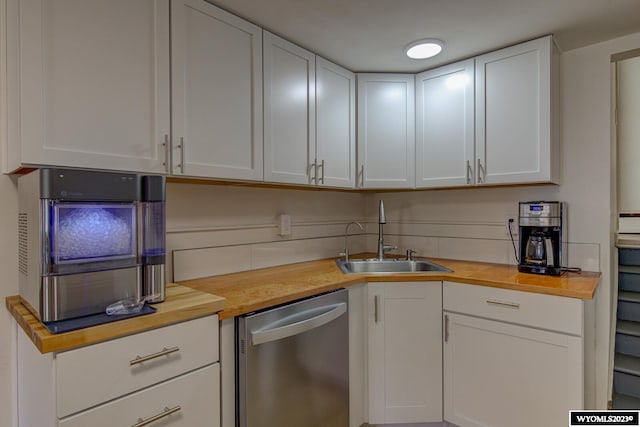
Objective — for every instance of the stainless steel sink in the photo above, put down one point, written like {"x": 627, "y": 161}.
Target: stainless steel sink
{"x": 367, "y": 266}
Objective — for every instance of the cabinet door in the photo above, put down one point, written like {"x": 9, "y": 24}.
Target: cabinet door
{"x": 289, "y": 111}
{"x": 335, "y": 124}
{"x": 386, "y": 131}
{"x": 514, "y": 115}
{"x": 95, "y": 83}
{"x": 405, "y": 352}
{"x": 217, "y": 93}
{"x": 445, "y": 126}
{"x": 191, "y": 400}
{"x": 502, "y": 375}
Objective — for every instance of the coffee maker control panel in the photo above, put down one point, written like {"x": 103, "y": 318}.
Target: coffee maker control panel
{"x": 540, "y": 214}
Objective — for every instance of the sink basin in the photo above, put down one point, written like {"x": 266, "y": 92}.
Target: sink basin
{"x": 367, "y": 266}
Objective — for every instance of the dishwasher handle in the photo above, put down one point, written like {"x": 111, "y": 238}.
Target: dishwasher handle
{"x": 298, "y": 323}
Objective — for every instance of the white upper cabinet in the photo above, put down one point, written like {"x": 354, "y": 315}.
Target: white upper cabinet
{"x": 445, "y": 126}
{"x": 94, "y": 84}
{"x": 289, "y": 111}
{"x": 216, "y": 93}
{"x": 335, "y": 125}
{"x": 515, "y": 114}
{"x": 489, "y": 120}
{"x": 386, "y": 131}
{"x": 185, "y": 88}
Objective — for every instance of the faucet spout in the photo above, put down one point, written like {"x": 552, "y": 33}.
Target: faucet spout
{"x": 382, "y": 220}
{"x": 346, "y": 239}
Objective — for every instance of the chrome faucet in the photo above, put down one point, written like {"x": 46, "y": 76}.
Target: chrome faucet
{"x": 382, "y": 220}
{"x": 346, "y": 237}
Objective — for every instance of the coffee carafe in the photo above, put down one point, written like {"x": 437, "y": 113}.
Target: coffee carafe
{"x": 542, "y": 239}
{"x": 540, "y": 249}
{"x": 535, "y": 249}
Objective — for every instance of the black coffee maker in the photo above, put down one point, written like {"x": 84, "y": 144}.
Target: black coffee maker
{"x": 542, "y": 237}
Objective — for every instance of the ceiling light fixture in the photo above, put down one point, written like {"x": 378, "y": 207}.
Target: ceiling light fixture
{"x": 423, "y": 49}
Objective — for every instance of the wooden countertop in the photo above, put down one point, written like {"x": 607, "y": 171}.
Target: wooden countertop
{"x": 239, "y": 293}
{"x": 181, "y": 304}
{"x": 257, "y": 289}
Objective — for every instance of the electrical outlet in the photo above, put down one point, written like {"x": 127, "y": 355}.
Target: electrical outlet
{"x": 285, "y": 225}
{"x": 511, "y": 219}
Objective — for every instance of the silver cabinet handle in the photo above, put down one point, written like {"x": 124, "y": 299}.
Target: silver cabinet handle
{"x": 376, "y": 308}
{"x": 362, "y": 176}
{"x": 182, "y": 149}
{"x": 166, "y": 162}
{"x": 315, "y": 171}
{"x": 322, "y": 176}
{"x": 481, "y": 172}
{"x": 165, "y": 413}
{"x": 164, "y": 352}
{"x": 446, "y": 328}
{"x": 469, "y": 172}
{"x": 298, "y": 323}
{"x": 313, "y": 167}
{"x": 503, "y": 303}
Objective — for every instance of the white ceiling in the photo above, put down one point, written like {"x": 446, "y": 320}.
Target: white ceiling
{"x": 370, "y": 35}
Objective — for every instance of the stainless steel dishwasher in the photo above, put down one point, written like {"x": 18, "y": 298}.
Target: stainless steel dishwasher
{"x": 293, "y": 364}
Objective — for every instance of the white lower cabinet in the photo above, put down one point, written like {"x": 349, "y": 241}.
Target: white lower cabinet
{"x": 184, "y": 401}
{"x": 404, "y": 352}
{"x": 503, "y": 369}
{"x": 168, "y": 376}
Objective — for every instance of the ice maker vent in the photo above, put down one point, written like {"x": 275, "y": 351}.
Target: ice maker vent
{"x": 23, "y": 247}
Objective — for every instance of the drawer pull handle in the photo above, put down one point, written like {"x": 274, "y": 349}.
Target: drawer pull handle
{"x": 503, "y": 303}
{"x": 165, "y": 413}
{"x": 164, "y": 352}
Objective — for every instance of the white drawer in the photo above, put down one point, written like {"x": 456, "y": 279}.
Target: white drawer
{"x": 94, "y": 374}
{"x": 197, "y": 395}
{"x": 550, "y": 312}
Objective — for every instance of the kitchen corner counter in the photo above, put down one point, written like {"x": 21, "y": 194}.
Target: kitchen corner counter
{"x": 257, "y": 289}
{"x": 181, "y": 304}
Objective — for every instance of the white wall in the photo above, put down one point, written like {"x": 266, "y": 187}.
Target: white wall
{"x": 628, "y": 135}
{"x": 586, "y": 123}
{"x": 214, "y": 230}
